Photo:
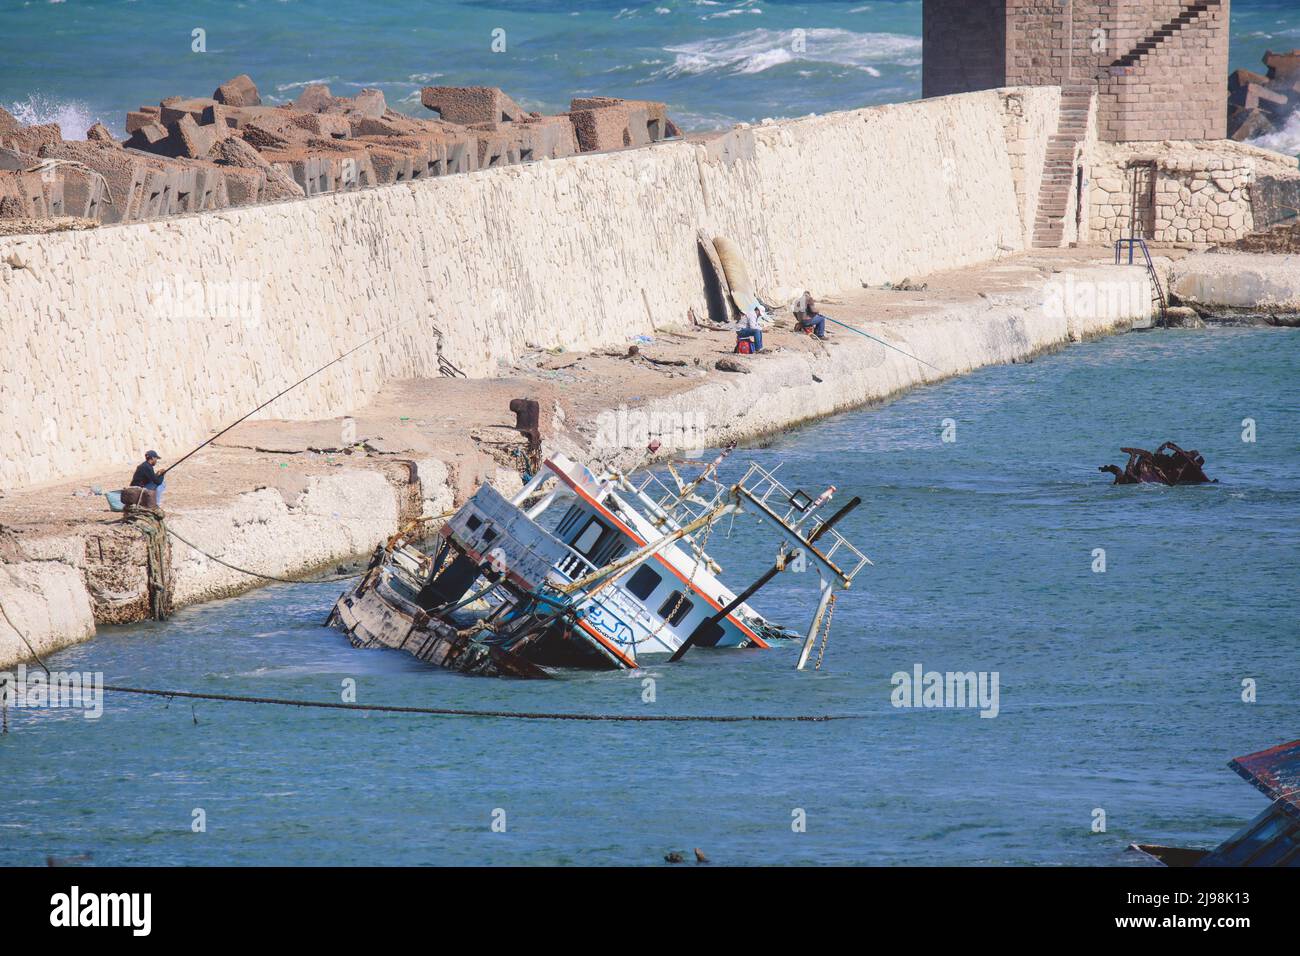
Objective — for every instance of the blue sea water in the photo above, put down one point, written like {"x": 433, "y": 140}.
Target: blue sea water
{"x": 1119, "y": 691}
{"x": 713, "y": 61}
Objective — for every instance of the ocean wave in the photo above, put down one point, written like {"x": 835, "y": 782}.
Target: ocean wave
{"x": 696, "y": 122}
{"x": 1285, "y": 140}
{"x": 73, "y": 116}
{"x": 285, "y": 87}
{"x": 755, "y": 51}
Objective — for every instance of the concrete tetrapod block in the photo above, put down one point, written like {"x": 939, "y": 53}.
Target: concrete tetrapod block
{"x": 467, "y": 105}
{"x": 240, "y": 91}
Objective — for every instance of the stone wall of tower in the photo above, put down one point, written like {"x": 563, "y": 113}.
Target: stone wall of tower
{"x": 1160, "y": 66}
{"x": 1038, "y": 42}
{"x": 1179, "y": 89}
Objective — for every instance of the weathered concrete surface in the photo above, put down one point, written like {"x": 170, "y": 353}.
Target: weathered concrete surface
{"x": 157, "y": 333}
{"x": 1240, "y": 283}
{"x": 790, "y": 387}
{"x": 45, "y": 601}
{"x": 333, "y": 518}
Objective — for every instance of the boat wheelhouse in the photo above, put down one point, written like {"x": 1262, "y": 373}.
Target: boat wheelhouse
{"x": 581, "y": 570}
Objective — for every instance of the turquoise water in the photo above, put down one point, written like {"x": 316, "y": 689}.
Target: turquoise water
{"x": 1118, "y": 690}
{"x": 713, "y": 61}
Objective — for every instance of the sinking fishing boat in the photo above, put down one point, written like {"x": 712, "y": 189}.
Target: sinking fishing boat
{"x": 1168, "y": 465}
{"x": 1272, "y": 838}
{"x": 593, "y": 571}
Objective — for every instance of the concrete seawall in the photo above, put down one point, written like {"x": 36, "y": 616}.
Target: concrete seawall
{"x": 157, "y": 333}
{"x": 45, "y": 585}
{"x": 1230, "y": 283}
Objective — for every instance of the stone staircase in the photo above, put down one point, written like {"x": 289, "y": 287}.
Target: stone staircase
{"x": 1058, "y": 169}
{"x": 1162, "y": 33}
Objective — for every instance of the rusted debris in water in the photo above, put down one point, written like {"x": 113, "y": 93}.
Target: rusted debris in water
{"x": 1169, "y": 465}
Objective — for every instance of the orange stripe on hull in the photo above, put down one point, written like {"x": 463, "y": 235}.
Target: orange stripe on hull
{"x": 641, "y": 543}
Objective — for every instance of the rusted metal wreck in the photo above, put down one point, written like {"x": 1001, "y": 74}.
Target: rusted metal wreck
{"x": 1168, "y": 465}
{"x": 592, "y": 571}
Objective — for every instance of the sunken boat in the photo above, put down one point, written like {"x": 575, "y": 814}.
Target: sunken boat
{"x": 586, "y": 570}
{"x": 1272, "y": 838}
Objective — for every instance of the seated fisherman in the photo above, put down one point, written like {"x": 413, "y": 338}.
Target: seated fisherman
{"x": 751, "y": 327}
{"x": 800, "y": 307}
{"x": 811, "y": 318}
{"x": 149, "y": 479}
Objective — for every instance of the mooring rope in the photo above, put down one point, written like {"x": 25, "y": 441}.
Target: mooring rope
{"x": 510, "y": 714}
{"x": 259, "y": 574}
{"x": 151, "y": 525}
{"x": 409, "y": 526}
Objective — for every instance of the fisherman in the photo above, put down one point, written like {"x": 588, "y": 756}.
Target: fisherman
{"x": 751, "y": 328}
{"x": 149, "y": 479}
{"x": 800, "y": 306}
{"x": 811, "y": 318}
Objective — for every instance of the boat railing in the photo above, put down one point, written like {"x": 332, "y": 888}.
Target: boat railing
{"x": 655, "y": 492}
{"x": 668, "y": 512}
{"x": 573, "y": 565}
{"x": 795, "y": 511}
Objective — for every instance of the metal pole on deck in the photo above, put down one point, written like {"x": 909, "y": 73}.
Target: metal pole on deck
{"x": 753, "y": 589}
{"x": 811, "y": 639}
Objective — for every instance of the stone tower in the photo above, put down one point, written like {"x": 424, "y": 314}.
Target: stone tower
{"x": 1160, "y": 67}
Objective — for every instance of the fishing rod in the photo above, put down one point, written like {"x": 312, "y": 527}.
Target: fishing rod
{"x": 209, "y": 441}
{"x": 852, "y": 328}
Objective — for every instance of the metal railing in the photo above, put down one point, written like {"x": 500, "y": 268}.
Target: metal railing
{"x": 764, "y": 486}
{"x": 1158, "y": 299}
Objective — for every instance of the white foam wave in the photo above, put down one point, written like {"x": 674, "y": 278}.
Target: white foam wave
{"x": 757, "y": 50}
{"x": 1285, "y": 140}
{"x": 73, "y": 116}
{"x": 285, "y": 87}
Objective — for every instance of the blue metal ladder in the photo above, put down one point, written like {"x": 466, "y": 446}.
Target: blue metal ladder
{"x": 1162, "y": 307}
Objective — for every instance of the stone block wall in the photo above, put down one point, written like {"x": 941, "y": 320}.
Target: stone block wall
{"x": 1028, "y": 127}
{"x": 965, "y": 46}
{"x": 1196, "y": 198}
{"x": 1178, "y": 89}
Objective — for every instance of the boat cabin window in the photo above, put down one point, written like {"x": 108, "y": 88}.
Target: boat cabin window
{"x": 585, "y": 542}
{"x": 643, "y": 583}
{"x": 710, "y": 636}
{"x": 675, "y": 609}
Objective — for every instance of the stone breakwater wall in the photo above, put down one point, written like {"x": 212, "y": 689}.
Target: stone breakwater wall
{"x": 45, "y": 590}
{"x": 155, "y": 334}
